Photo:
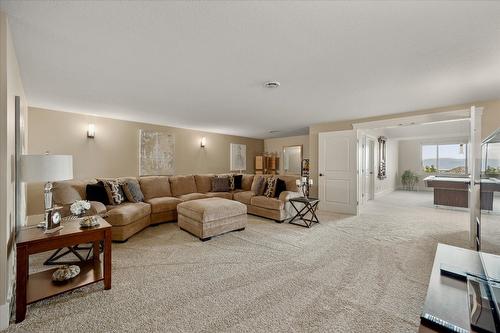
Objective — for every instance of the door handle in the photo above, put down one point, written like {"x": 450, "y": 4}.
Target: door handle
{"x": 321, "y": 175}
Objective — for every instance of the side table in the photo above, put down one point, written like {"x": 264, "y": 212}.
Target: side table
{"x": 310, "y": 206}
{"x": 31, "y": 288}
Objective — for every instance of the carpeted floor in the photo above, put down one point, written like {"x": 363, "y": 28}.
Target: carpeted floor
{"x": 348, "y": 274}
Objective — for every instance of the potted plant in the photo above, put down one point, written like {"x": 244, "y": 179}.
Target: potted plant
{"x": 409, "y": 179}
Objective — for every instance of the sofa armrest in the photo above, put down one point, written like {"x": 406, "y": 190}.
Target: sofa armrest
{"x": 97, "y": 208}
{"x": 287, "y": 195}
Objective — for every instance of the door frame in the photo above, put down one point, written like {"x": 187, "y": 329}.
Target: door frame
{"x": 363, "y": 167}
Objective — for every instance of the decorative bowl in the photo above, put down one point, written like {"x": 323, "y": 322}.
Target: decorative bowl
{"x": 89, "y": 222}
{"x": 65, "y": 273}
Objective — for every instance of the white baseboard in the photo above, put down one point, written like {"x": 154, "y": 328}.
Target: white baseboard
{"x": 4, "y": 316}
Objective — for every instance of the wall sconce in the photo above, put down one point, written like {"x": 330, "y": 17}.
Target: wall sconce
{"x": 91, "y": 131}
{"x": 203, "y": 142}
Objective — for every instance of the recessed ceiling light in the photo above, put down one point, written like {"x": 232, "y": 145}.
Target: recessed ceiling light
{"x": 272, "y": 84}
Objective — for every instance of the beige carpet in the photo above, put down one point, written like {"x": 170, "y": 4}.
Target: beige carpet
{"x": 348, "y": 274}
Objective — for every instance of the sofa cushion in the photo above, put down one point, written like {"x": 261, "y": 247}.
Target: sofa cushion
{"x": 265, "y": 202}
{"x": 155, "y": 187}
{"x": 290, "y": 182}
{"x": 203, "y": 183}
{"x": 243, "y": 197}
{"x": 221, "y": 184}
{"x": 246, "y": 182}
{"x": 182, "y": 185}
{"x": 211, "y": 209}
{"x": 163, "y": 204}
{"x": 127, "y": 213}
{"x": 225, "y": 195}
{"x": 192, "y": 196}
{"x": 67, "y": 192}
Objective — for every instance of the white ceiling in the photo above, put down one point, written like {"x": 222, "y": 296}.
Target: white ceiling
{"x": 202, "y": 64}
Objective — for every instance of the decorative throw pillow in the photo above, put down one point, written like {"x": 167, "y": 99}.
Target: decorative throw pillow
{"x": 280, "y": 187}
{"x": 238, "y": 179}
{"x": 133, "y": 191}
{"x": 220, "y": 184}
{"x": 114, "y": 191}
{"x": 97, "y": 192}
{"x": 258, "y": 185}
{"x": 270, "y": 187}
{"x": 231, "y": 182}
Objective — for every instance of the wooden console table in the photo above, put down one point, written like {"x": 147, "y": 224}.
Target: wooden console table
{"x": 31, "y": 288}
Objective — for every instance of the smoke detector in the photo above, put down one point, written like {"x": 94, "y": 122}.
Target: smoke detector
{"x": 272, "y": 84}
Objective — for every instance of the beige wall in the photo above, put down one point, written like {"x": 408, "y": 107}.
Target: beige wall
{"x": 115, "y": 149}
{"x": 10, "y": 86}
{"x": 491, "y": 121}
{"x": 277, "y": 144}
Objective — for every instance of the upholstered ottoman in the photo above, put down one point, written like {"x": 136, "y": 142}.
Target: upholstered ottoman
{"x": 210, "y": 217}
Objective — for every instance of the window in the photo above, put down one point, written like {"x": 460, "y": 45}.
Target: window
{"x": 490, "y": 160}
{"x": 445, "y": 158}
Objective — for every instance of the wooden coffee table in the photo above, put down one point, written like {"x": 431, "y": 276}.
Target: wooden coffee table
{"x": 31, "y": 288}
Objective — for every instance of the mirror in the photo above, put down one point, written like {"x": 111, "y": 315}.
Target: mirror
{"x": 382, "y": 154}
{"x": 292, "y": 159}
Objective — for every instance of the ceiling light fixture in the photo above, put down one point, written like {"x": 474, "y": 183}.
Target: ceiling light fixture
{"x": 272, "y": 84}
{"x": 273, "y": 132}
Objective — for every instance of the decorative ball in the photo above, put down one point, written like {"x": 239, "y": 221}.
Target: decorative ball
{"x": 65, "y": 273}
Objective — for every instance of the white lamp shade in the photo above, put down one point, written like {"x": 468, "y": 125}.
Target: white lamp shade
{"x": 46, "y": 168}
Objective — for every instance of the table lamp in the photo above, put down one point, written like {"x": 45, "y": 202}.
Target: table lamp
{"x": 47, "y": 168}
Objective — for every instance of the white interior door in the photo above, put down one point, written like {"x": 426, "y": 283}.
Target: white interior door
{"x": 337, "y": 162}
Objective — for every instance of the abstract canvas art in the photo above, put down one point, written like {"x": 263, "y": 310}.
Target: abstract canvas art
{"x": 238, "y": 157}
{"x": 156, "y": 153}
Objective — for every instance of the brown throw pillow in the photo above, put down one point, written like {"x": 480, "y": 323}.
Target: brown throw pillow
{"x": 133, "y": 191}
{"x": 270, "y": 187}
{"x": 220, "y": 184}
{"x": 258, "y": 185}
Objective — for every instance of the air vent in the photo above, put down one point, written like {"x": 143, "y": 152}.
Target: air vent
{"x": 272, "y": 84}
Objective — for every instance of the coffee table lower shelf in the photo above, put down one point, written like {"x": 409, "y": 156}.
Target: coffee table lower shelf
{"x": 40, "y": 286}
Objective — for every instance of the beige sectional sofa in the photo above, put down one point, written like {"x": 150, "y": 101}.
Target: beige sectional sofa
{"x": 162, "y": 194}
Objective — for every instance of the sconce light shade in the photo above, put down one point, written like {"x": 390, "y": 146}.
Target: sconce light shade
{"x": 91, "y": 131}
{"x": 203, "y": 142}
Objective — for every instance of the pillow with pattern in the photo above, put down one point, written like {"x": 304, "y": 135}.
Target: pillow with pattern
{"x": 231, "y": 182}
{"x": 270, "y": 187}
{"x": 114, "y": 191}
{"x": 220, "y": 184}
